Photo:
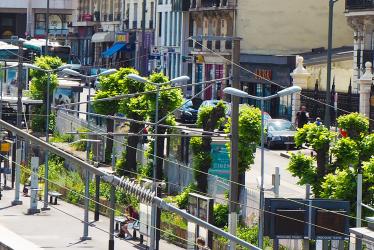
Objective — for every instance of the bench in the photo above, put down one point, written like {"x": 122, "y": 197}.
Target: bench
{"x": 136, "y": 226}
{"x": 55, "y": 195}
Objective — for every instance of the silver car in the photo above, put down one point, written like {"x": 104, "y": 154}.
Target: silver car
{"x": 280, "y": 132}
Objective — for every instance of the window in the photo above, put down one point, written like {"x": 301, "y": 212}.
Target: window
{"x": 152, "y": 11}
{"x": 160, "y": 24}
{"x": 135, "y": 12}
{"x": 40, "y": 24}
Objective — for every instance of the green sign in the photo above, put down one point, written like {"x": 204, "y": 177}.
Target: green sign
{"x": 220, "y": 161}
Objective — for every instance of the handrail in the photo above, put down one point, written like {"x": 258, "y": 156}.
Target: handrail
{"x": 368, "y": 207}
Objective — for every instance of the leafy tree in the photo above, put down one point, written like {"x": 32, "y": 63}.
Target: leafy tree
{"x": 210, "y": 118}
{"x": 169, "y": 100}
{"x": 38, "y": 89}
{"x": 355, "y": 124}
{"x": 117, "y": 84}
{"x": 249, "y": 137}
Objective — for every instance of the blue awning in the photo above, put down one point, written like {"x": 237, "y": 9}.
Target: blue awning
{"x": 114, "y": 49}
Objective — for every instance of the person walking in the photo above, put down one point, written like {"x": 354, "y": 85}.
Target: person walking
{"x": 302, "y": 117}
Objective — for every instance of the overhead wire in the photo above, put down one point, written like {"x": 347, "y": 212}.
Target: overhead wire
{"x": 243, "y": 185}
{"x": 224, "y": 180}
{"x": 92, "y": 200}
{"x": 261, "y": 210}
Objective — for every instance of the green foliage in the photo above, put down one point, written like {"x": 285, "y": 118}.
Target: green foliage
{"x": 249, "y": 135}
{"x": 182, "y": 198}
{"x": 303, "y": 167}
{"x": 346, "y": 152}
{"x": 339, "y": 185}
{"x": 105, "y": 107}
{"x": 367, "y": 147}
{"x": 248, "y": 234}
{"x": 221, "y": 215}
{"x": 61, "y": 138}
{"x": 39, "y": 79}
{"x": 212, "y": 117}
{"x": 81, "y": 145}
{"x": 316, "y": 136}
{"x": 173, "y": 219}
{"x": 355, "y": 124}
{"x": 38, "y": 91}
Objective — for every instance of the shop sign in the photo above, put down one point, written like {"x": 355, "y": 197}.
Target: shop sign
{"x": 122, "y": 37}
{"x": 263, "y": 74}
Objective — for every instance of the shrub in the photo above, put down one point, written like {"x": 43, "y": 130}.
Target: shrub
{"x": 221, "y": 215}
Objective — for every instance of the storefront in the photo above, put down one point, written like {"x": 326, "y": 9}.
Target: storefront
{"x": 12, "y": 25}
{"x": 268, "y": 69}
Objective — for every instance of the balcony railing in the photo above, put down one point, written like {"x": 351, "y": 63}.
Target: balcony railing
{"x": 208, "y": 4}
{"x": 359, "y": 4}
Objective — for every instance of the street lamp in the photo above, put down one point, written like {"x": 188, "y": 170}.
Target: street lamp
{"x": 88, "y": 80}
{"x": 155, "y": 239}
{"x": 239, "y": 93}
{"x": 49, "y": 72}
{"x": 329, "y": 55}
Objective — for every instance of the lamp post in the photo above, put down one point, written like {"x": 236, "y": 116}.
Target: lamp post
{"x": 88, "y": 80}
{"x": 155, "y": 237}
{"x": 49, "y": 72}
{"x": 242, "y": 94}
{"x": 329, "y": 55}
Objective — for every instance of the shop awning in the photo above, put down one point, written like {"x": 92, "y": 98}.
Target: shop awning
{"x": 102, "y": 37}
{"x": 114, "y": 49}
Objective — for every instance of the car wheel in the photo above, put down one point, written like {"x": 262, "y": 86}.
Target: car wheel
{"x": 269, "y": 145}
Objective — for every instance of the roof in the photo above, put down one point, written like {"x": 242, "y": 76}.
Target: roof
{"x": 319, "y": 55}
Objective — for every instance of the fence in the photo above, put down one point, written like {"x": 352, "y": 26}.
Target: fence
{"x": 346, "y": 101}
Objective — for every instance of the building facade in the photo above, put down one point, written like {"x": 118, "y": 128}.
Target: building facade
{"x": 27, "y": 18}
{"x": 210, "y": 54}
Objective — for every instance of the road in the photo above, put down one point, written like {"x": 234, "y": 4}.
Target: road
{"x": 288, "y": 184}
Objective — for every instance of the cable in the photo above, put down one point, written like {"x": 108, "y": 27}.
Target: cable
{"x": 270, "y": 81}
{"x": 239, "y": 184}
{"x": 261, "y": 210}
{"x": 90, "y": 199}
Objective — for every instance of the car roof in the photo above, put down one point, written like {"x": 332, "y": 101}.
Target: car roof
{"x": 278, "y": 120}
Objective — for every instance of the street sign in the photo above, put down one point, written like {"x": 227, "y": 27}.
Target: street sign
{"x": 220, "y": 160}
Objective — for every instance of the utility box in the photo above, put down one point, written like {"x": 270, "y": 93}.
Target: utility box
{"x": 202, "y": 207}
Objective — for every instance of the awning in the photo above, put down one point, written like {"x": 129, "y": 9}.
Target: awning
{"x": 102, "y": 37}
{"x": 114, "y": 49}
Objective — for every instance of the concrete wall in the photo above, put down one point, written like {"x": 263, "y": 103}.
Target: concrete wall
{"x": 283, "y": 27}
{"x": 341, "y": 70}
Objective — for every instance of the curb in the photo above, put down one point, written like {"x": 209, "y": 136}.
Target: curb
{"x": 285, "y": 155}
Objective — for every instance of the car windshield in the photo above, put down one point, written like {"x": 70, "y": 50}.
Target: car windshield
{"x": 281, "y": 126}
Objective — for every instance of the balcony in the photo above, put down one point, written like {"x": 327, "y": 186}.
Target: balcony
{"x": 199, "y": 5}
{"x": 359, "y": 5}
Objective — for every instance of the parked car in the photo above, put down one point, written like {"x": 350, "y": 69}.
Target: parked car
{"x": 187, "y": 113}
{"x": 280, "y": 132}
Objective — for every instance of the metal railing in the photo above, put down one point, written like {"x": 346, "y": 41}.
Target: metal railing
{"x": 359, "y": 4}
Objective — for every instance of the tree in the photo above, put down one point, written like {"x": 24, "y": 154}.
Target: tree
{"x": 169, "y": 100}
{"x": 338, "y": 179}
{"x": 249, "y": 138}
{"x": 113, "y": 85}
{"x": 38, "y": 89}
{"x": 210, "y": 118}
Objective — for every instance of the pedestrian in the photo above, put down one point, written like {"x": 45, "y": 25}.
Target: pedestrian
{"x": 302, "y": 117}
{"x": 318, "y": 121}
{"x": 200, "y": 242}
{"x": 132, "y": 220}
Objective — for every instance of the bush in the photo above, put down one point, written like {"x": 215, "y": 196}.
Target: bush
{"x": 355, "y": 124}
{"x": 221, "y": 215}
{"x": 182, "y": 199}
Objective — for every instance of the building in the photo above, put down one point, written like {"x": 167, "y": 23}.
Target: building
{"x": 24, "y": 18}
{"x": 210, "y": 56}
{"x": 273, "y": 33}
{"x": 171, "y": 32}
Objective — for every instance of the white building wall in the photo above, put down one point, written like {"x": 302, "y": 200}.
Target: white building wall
{"x": 169, "y": 43}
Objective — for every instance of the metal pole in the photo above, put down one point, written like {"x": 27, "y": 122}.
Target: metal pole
{"x": 142, "y": 60}
{"x": 17, "y": 201}
{"x": 97, "y": 198}
{"x": 307, "y": 197}
{"x": 47, "y": 30}
{"x": 329, "y": 55}
{"x": 117, "y": 181}
{"x": 87, "y": 175}
{"x": 154, "y": 240}
{"x": 234, "y": 173}
{"x": 45, "y": 205}
{"x": 359, "y": 206}
{"x": 112, "y": 206}
{"x": 261, "y": 219}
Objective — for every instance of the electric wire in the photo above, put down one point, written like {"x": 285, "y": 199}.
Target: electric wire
{"x": 270, "y": 81}
{"x": 260, "y": 210}
{"x": 91, "y": 200}
{"x": 222, "y": 179}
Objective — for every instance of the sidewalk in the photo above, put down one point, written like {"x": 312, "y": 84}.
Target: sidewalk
{"x": 57, "y": 230}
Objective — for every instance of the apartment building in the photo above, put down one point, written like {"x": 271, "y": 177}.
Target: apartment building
{"x": 27, "y": 18}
